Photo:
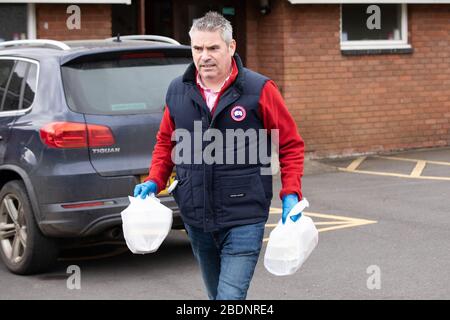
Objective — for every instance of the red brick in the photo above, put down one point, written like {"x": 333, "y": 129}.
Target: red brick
{"x": 95, "y": 22}
{"x": 357, "y": 103}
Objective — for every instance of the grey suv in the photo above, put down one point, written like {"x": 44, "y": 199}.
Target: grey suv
{"x": 78, "y": 123}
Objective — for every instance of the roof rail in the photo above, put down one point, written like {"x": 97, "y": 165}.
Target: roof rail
{"x": 42, "y": 42}
{"x": 149, "y": 37}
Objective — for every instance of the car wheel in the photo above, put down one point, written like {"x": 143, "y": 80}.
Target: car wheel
{"x": 23, "y": 248}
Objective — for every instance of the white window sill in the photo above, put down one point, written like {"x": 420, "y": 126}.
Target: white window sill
{"x": 345, "y": 46}
{"x": 354, "y": 50}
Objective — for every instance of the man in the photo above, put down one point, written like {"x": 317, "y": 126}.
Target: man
{"x": 224, "y": 205}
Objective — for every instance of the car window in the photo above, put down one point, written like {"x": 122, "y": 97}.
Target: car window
{"x": 12, "y": 96}
{"x": 121, "y": 86}
{"x": 29, "y": 86}
{"x": 6, "y": 67}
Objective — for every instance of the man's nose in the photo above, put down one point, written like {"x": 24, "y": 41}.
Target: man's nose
{"x": 205, "y": 55}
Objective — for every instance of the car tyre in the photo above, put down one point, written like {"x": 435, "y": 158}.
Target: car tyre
{"x": 23, "y": 248}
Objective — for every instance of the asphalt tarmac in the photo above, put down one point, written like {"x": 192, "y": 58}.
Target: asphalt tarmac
{"x": 384, "y": 233}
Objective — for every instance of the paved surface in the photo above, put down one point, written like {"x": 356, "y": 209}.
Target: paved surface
{"x": 384, "y": 234}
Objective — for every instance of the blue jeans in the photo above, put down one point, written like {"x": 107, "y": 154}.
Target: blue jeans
{"x": 227, "y": 258}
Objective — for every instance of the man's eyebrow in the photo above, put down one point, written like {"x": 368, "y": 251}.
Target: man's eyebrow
{"x": 214, "y": 46}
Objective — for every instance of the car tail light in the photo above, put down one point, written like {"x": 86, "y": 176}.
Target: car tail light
{"x": 99, "y": 136}
{"x": 76, "y": 135}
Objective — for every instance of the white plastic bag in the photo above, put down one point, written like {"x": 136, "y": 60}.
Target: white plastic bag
{"x": 146, "y": 223}
{"x": 290, "y": 244}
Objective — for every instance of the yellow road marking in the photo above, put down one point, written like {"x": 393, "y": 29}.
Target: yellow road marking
{"x": 417, "y": 171}
{"x": 355, "y": 164}
{"x": 338, "y": 222}
{"x": 349, "y": 225}
{"x": 377, "y": 173}
{"x": 415, "y": 174}
{"x": 275, "y": 210}
{"x": 442, "y": 163}
{"x": 271, "y": 225}
{"x": 320, "y": 223}
{"x": 335, "y": 217}
{"x": 398, "y": 175}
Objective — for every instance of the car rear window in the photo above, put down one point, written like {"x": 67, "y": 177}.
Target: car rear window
{"x": 124, "y": 85}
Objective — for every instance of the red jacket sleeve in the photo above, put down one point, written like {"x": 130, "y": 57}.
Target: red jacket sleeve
{"x": 275, "y": 115}
{"x": 162, "y": 165}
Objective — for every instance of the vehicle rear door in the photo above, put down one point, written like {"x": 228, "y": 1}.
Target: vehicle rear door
{"x": 126, "y": 93}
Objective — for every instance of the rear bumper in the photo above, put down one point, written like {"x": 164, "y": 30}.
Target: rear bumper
{"x": 61, "y": 222}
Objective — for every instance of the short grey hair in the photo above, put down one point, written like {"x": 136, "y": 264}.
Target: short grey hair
{"x": 213, "y": 21}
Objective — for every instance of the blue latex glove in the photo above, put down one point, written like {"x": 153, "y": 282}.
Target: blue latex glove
{"x": 289, "y": 201}
{"x": 144, "y": 189}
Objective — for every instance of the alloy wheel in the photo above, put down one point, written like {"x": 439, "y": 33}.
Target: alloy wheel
{"x": 13, "y": 228}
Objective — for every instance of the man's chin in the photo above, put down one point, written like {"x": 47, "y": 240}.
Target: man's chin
{"x": 210, "y": 75}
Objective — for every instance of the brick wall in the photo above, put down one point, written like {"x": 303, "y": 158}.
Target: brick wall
{"x": 265, "y": 43}
{"x": 356, "y": 104}
{"x": 95, "y": 22}
{"x": 252, "y": 35}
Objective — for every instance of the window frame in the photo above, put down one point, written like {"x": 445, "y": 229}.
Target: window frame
{"x": 379, "y": 44}
{"x": 21, "y": 111}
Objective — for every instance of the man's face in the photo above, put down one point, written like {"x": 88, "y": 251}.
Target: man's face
{"x": 212, "y": 56}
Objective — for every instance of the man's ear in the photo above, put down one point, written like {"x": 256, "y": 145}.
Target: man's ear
{"x": 232, "y": 47}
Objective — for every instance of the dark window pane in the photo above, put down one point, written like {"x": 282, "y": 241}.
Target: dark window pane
{"x": 354, "y": 22}
{"x": 13, "y": 94}
{"x": 6, "y": 67}
{"x": 159, "y": 17}
{"x": 13, "y": 21}
{"x": 124, "y": 18}
{"x": 30, "y": 86}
